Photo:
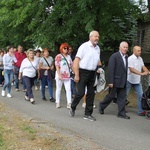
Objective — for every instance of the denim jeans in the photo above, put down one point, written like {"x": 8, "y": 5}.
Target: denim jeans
{"x": 73, "y": 87}
{"x": 139, "y": 92}
{"x": 44, "y": 82}
{"x": 8, "y": 76}
{"x": 1, "y": 76}
{"x": 16, "y": 81}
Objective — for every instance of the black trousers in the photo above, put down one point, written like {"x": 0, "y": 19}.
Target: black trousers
{"x": 87, "y": 78}
{"x": 121, "y": 99}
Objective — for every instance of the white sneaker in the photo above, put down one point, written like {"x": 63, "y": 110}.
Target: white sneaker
{"x": 84, "y": 105}
{"x": 36, "y": 88}
{"x": 9, "y": 95}
{"x": 57, "y": 105}
{"x": 3, "y": 93}
{"x": 32, "y": 100}
{"x": 69, "y": 105}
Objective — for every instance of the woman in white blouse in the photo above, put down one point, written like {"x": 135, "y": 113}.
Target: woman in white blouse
{"x": 28, "y": 70}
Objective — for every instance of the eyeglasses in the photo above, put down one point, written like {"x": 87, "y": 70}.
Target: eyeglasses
{"x": 65, "y": 48}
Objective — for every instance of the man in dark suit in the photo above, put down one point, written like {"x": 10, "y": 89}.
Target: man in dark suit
{"x": 117, "y": 78}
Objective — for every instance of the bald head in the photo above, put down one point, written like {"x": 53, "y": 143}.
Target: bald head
{"x": 94, "y": 37}
{"x": 137, "y": 51}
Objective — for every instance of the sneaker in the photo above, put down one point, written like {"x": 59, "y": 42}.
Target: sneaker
{"x": 46, "y": 87}
{"x": 69, "y": 105}
{"x": 52, "y": 99}
{"x": 142, "y": 113}
{"x": 24, "y": 90}
{"x": 90, "y": 117}
{"x": 84, "y": 105}
{"x": 36, "y": 88}
{"x": 44, "y": 99}
{"x": 32, "y": 100}
{"x": 94, "y": 106}
{"x": 57, "y": 105}
{"x": 26, "y": 98}
{"x": 9, "y": 95}
{"x": 71, "y": 112}
{"x": 1, "y": 85}
{"x": 17, "y": 90}
{"x": 3, "y": 93}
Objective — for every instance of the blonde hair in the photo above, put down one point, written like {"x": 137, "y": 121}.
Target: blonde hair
{"x": 30, "y": 50}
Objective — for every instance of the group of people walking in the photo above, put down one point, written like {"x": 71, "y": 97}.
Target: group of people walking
{"x": 123, "y": 73}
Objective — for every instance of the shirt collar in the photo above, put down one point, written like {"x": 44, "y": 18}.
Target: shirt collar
{"x": 122, "y": 54}
{"x": 91, "y": 45}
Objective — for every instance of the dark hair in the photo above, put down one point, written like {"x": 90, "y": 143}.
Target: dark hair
{"x": 9, "y": 47}
{"x": 37, "y": 51}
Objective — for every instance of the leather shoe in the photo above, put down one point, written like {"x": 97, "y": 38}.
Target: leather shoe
{"x": 123, "y": 116}
{"x": 101, "y": 111}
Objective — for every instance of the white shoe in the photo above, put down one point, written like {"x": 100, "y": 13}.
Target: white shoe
{"x": 9, "y": 95}
{"x": 84, "y": 105}
{"x": 57, "y": 105}
{"x": 69, "y": 105}
{"x": 36, "y": 88}
{"x": 3, "y": 93}
{"x": 94, "y": 106}
{"x": 32, "y": 100}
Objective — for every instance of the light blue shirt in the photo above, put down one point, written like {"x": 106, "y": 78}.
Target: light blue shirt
{"x": 8, "y": 61}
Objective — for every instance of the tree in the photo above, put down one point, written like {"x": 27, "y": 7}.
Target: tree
{"x": 48, "y": 23}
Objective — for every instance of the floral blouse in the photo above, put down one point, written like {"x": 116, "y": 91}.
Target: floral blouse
{"x": 64, "y": 69}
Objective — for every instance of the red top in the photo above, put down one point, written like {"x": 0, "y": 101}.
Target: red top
{"x": 20, "y": 57}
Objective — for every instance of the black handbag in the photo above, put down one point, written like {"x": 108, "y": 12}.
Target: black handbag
{"x": 52, "y": 72}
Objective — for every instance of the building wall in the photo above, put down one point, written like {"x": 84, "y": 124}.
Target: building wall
{"x": 144, "y": 36}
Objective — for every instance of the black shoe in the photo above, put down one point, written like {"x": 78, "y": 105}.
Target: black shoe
{"x": 127, "y": 102}
{"x": 71, "y": 112}
{"x": 44, "y": 99}
{"x": 52, "y": 99}
{"x": 101, "y": 111}
{"x": 123, "y": 116}
{"x": 90, "y": 117}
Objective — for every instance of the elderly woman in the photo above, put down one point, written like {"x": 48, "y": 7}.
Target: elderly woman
{"x": 46, "y": 66}
{"x": 63, "y": 62}
{"x": 28, "y": 70}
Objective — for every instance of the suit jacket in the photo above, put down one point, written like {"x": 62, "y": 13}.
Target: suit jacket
{"x": 117, "y": 71}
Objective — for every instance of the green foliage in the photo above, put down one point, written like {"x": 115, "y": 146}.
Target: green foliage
{"x": 48, "y": 23}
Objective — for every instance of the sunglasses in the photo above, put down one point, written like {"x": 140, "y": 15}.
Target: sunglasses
{"x": 65, "y": 48}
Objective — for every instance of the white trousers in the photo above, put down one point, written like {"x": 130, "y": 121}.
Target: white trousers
{"x": 67, "y": 84}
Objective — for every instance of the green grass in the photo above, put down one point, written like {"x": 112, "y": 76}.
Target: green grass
{"x": 30, "y": 132}
{"x": 2, "y": 145}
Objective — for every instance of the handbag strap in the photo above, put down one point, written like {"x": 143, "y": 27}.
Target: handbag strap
{"x": 46, "y": 62}
{"x": 32, "y": 65}
{"x": 67, "y": 62}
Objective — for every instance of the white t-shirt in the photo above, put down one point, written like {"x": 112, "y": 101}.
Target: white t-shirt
{"x": 136, "y": 63}
{"x": 89, "y": 56}
{"x": 44, "y": 63}
{"x": 28, "y": 69}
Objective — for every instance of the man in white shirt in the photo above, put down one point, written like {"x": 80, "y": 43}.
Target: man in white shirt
{"x": 136, "y": 69}
{"x": 86, "y": 61}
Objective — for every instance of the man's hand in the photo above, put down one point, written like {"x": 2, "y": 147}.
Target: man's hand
{"x": 110, "y": 85}
{"x": 76, "y": 78}
{"x": 144, "y": 73}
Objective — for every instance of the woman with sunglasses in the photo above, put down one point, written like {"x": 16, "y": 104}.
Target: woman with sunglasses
{"x": 63, "y": 63}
